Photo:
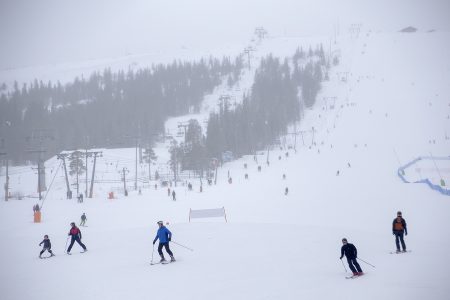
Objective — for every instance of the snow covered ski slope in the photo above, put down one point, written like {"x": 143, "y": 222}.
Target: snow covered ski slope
{"x": 392, "y": 107}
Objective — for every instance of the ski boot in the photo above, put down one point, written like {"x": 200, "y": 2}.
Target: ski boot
{"x": 172, "y": 259}
{"x": 162, "y": 260}
{"x": 355, "y": 273}
{"x": 360, "y": 273}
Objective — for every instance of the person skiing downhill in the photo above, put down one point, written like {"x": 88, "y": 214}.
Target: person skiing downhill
{"x": 75, "y": 233}
{"x": 350, "y": 251}
{"x": 47, "y": 246}
{"x": 164, "y": 235}
{"x": 398, "y": 229}
{"x": 83, "y": 219}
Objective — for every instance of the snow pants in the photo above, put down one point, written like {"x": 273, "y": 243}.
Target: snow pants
{"x": 399, "y": 239}
{"x": 77, "y": 239}
{"x": 43, "y": 250}
{"x": 353, "y": 264}
{"x": 165, "y": 245}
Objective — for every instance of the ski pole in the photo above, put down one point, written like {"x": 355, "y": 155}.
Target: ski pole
{"x": 153, "y": 252}
{"x": 366, "y": 262}
{"x": 65, "y": 247}
{"x": 344, "y": 266}
{"x": 183, "y": 246}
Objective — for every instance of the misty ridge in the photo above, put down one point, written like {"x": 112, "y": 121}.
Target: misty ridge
{"x": 110, "y": 109}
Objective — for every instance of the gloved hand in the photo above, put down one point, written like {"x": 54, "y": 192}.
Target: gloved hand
{"x": 393, "y": 233}
{"x": 170, "y": 239}
{"x": 340, "y": 257}
{"x": 154, "y": 242}
{"x": 406, "y": 233}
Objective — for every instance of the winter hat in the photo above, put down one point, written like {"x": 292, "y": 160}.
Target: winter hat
{"x": 344, "y": 240}
{"x": 160, "y": 223}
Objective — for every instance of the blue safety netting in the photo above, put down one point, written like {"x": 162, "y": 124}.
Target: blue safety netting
{"x": 435, "y": 187}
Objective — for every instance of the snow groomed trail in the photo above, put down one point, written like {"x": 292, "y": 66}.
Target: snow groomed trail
{"x": 274, "y": 246}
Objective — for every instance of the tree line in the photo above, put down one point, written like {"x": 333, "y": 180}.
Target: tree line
{"x": 281, "y": 90}
{"x": 109, "y": 109}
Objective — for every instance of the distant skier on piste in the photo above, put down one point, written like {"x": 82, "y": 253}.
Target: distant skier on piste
{"x": 350, "y": 251}
{"x": 83, "y": 219}
{"x": 75, "y": 234}
{"x": 164, "y": 235}
{"x": 398, "y": 229}
{"x": 47, "y": 246}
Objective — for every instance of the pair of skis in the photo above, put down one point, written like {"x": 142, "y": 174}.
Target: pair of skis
{"x": 162, "y": 262}
{"x": 80, "y": 252}
{"x": 400, "y": 252}
{"x": 354, "y": 276}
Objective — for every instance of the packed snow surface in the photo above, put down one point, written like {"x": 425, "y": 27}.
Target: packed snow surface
{"x": 392, "y": 107}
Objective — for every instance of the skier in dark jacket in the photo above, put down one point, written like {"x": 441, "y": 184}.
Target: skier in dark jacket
{"x": 174, "y": 196}
{"x": 83, "y": 219}
{"x": 398, "y": 229}
{"x": 47, "y": 246}
{"x": 75, "y": 233}
{"x": 164, "y": 235}
{"x": 349, "y": 250}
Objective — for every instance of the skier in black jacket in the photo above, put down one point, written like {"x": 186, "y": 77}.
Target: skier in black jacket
{"x": 47, "y": 246}
{"x": 349, "y": 250}
{"x": 398, "y": 229}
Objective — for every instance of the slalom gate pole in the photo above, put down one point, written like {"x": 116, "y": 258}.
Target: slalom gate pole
{"x": 343, "y": 265}
{"x": 182, "y": 246}
{"x": 366, "y": 262}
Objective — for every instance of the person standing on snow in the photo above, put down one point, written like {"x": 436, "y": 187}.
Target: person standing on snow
{"x": 174, "y": 196}
{"x": 83, "y": 219}
{"x": 164, "y": 235}
{"x": 349, "y": 250}
{"x": 75, "y": 233}
{"x": 398, "y": 228}
{"x": 47, "y": 246}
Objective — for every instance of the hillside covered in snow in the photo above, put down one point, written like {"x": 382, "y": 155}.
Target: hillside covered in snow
{"x": 343, "y": 169}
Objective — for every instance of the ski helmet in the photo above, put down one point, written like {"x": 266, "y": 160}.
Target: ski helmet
{"x": 160, "y": 223}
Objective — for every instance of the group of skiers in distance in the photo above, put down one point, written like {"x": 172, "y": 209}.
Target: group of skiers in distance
{"x": 351, "y": 253}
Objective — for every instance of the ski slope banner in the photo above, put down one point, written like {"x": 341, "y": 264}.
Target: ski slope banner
{"x": 207, "y": 213}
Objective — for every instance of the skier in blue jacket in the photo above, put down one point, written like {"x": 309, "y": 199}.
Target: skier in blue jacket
{"x": 164, "y": 235}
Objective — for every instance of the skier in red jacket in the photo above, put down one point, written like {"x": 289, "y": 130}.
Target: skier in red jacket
{"x": 76, "y": 236}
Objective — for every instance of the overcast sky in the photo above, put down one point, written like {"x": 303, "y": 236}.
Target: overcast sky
{"x": 53, "y": 31}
